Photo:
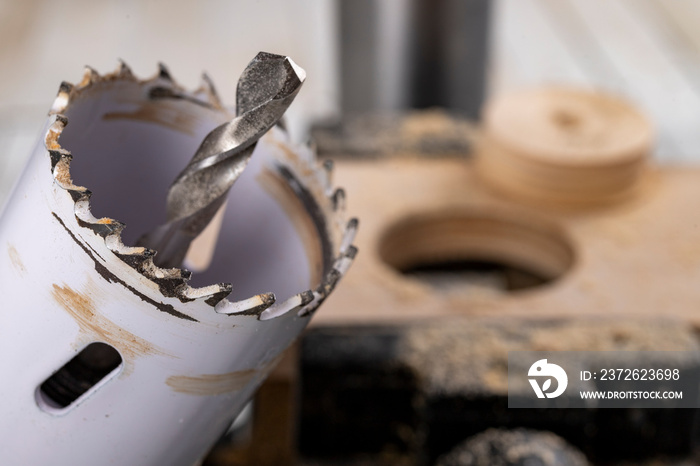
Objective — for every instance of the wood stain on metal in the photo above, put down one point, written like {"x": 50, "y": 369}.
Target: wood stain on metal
{"x": 82, "y": 308}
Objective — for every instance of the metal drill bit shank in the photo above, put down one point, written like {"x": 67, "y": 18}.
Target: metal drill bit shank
{"x": 265, "y": 90}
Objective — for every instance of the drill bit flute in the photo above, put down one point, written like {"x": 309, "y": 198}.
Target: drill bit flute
{"x": 265, "y": 90}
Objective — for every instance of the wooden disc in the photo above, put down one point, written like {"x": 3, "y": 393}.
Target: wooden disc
{"x": 563, "y": 145}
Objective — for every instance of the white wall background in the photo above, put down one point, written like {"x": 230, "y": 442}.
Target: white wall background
{"x": 43, "y": 42}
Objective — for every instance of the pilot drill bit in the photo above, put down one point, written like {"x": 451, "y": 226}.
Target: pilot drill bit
{"x": 265, "y": 90}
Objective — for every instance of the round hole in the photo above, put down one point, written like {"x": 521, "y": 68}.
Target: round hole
{"x": 461, "y": 251}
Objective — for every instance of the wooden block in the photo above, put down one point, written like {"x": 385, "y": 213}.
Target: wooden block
{"x": 563, "y": 145}
{"x": 633, "y": 259}
{"x": 560, "y": 191}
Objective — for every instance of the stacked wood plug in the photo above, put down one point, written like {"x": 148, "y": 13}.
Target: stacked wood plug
{"x": 558, "y": 145}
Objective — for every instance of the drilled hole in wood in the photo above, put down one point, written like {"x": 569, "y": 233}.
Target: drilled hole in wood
{"x": 75, "y": 378}
{"x": 461, "y": 251}
{"x": 455, "y": 274}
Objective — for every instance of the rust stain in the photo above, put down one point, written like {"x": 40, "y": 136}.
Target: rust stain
{"x": 82, "y": 308}
{"x": 51, "y": 140}
{"x": 161, "y": 113}
{"x": 216, "y": 384}
{"x": 211, "y": 384}
{"x": 62, "y": 173}
{"x": 15, "y": 259}
{"x": 85, "y": 81}
{"x": 304, "y": 168}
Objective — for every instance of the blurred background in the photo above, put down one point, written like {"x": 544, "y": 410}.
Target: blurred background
{"x": 361, "y": 55}
{"x": 354, "y": 391}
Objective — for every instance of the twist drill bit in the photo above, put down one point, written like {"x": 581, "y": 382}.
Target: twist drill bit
{"x": 265, "y": 90}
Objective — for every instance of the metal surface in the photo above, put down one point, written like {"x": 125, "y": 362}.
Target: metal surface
{"x": 189, "y": 358}
{"x": 413, "y": 54}
{"x": 265, "y": 90}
